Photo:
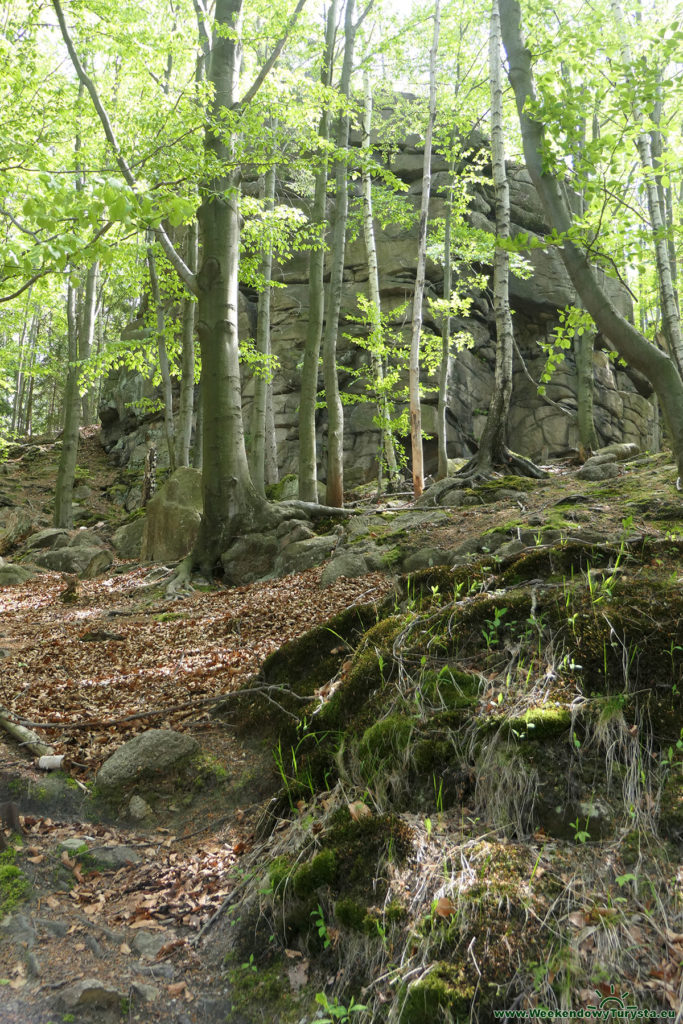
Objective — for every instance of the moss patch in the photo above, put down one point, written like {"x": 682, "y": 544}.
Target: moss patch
{"x": 442, "y": 994}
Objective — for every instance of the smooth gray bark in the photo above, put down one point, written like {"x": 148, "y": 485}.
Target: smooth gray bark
{"x": 628, "y": 342}
{"x": 79, "y": 321}
{"x": 386, "y": 454}
{"x": 261, "y": 379}
{"x": 334, "y": 494}
{"x": 229, "y": 499}
{"x": 414, "y": 366}
{"x": 186, "y": 402}
{"x": 308, "y": 486}
{"x": 166, "y": 383}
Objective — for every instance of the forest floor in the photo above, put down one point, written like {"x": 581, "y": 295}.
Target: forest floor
{"x": 121, "y": 907}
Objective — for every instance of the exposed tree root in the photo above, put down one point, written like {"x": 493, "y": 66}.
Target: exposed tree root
{"x": 482, "y": 466}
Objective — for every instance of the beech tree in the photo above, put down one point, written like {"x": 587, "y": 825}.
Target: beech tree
{"x": 641, "y": 354}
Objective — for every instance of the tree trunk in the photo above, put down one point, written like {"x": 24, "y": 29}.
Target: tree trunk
{"x": 264, "y": 374}
{"x": 308, "y": 486}
{"x": 166, "y": 383}
{"x": 64, "y": 517}
{"x": 414, "y": 369}
{"x": 386, "y": 455}
{"x": 186, "y": 402}
{"x": 230, "y": 501}
{"x": 335, "y": 410}
{"x": 670, "y": 317}
{"x": 445, "y": 366}
{"x": 21, "y": 374}
{"x": 629, "y": 343}
{"x": 198, "y": 449}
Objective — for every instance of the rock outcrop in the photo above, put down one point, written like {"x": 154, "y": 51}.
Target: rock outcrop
{"x": 539, "y": 426}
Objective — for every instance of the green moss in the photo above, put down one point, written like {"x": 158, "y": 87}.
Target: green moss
{"x": 14, "y": 885}
{"x": 385, "y": 742}
{"x": 274, "y": 492}
{"x": 266, "y": 987}
{"x": 350, "y": 914}
{"x": 369, "y": 666}
{"x": 442, "y": 994}
{"x": 279, "y": 871}
{"x": 359, "y": 847}
{"x": 430, "y": 754}
{"x": 316, "y": 873}
{"x": 450, "y": 688}
{"x": 540, "y": 723}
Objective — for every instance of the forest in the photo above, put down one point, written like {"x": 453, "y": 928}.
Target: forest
{"x": 341, "y": 448}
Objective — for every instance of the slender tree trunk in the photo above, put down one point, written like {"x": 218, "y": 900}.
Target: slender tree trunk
{"x": 629, "y": 343}
{"x": 492, "y": 447}
{"x": 166, "y": 383}
{"x": 198, "y": 449}
{"x": 414, "y": 369}
{"x": 308, "y": 486}
{"x": 335, "y": 410}
{"x": 63, "y": 517}
{"x": 386, "y": 454}
{"x": 262, "y": 378}
{"x": 186, "y": 402}
{"x": 445, "y": 366}
{"x": 86, "y": 335}
{"x": 271, "y": 469}
{"x": 670, "y": 317}
{"x": 21, "y": 375}
{"x": 230, "y": 501}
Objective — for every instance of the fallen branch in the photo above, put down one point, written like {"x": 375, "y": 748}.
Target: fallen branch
{"x": 98, "y": 723}
{"x": 26, "y": 737}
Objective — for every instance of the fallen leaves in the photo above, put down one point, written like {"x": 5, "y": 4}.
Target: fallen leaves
{"x": 157, "y": 670}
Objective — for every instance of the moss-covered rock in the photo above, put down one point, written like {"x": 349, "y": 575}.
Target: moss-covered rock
{"x": 315, "y": 874}
{"x": 443, "y": 993}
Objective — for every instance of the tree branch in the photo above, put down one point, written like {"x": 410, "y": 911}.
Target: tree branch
{"x": 174, "y": 258}
{"x": 270, "y": 63}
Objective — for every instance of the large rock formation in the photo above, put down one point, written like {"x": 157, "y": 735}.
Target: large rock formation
{"x": 539, "y": 426}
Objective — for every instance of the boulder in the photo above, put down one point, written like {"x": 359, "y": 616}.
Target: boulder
{"x": 349, "y": 564}
{"x": 91, "y": 994}
{"x": 86, "y": 538}
{"x": 173, "y": 517}
{"x": 598, "y": 470}
{"x": 249, "y": 558}
{"x": 48, "y": 538}
{"x": 85, "y": 560}
{"x": 303, "y": 554}
{"x": 425, "y": 558}
{"x": 15, "y": 525}
{"x": 11, "y": 575}
{"x": 127, "y": 540}
{"x": 148, "y": 757}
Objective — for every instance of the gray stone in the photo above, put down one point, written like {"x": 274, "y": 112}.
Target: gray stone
{"x": 621, "y": 452}
{"x": 16, "y": 524}
{"x": 58, "y": 928}
{"x": 147, "y": 992}
{"x": 19, "y": 927}
{"x": 139, "y": 809}
{"x": 82, "y": 492}
{"x": 148, "y": 944}
{"x": 513, "y": 547}
{"x": 599, "y": 471}
{"x": 349, "y": 564}
{"x": 84, "y": 560}
{"x": 98, "y": 564}
{"x": 294, "y": 531}
{"x": 90, "y": 994}
{"x": 11, "y": 575}
{"x": 303, "y": 554}
{"x": 115, "y": 857}
{"x": 249, "y": 558}
{"x": 151, "y": 755}
{"x": 173, "y": 517}
{"x": 86, "y": 538}
{"x": 73, "y": 844}
{"x": 127, "y": 540}
{"x": 425, "y": 558}
{"x": 46, "y": 538}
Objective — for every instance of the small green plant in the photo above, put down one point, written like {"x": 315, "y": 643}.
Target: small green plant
{"x": 321, "y": 926}
{"x": 494, "y": 625}
{"x": 338, "y": 1013}
{"x": 249, "y": 964}
{"x": 581, "y": 835}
